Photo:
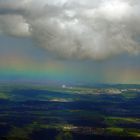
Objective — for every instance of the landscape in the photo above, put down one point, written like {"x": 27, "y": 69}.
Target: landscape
{"x": 69, "y": 112}
{"x": 69, "y": 69}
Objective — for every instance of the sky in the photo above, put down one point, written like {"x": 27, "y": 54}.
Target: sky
{"x": 70, "y": 41}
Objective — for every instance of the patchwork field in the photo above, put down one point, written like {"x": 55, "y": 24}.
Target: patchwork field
{"x": 70, "y": 113}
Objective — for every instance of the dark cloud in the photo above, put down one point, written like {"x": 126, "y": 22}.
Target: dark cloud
{"x": 91, "y": 29}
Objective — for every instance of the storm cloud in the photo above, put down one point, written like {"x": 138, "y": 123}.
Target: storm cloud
{"x": 84, "y": 29}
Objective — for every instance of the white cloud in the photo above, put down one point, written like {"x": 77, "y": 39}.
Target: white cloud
{"x": 93, "y": 29}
